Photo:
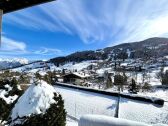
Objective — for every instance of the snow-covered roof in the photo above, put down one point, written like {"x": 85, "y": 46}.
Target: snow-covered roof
{"x": 82, "y": 75}
{"x": 79, "y": 75}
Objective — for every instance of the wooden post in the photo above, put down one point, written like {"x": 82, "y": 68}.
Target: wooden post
{"x": 1, "y": 14}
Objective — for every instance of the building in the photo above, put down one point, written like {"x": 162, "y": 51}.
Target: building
{"x": 75, "y": 78}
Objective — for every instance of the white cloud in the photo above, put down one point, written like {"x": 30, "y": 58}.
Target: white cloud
{"x": 12, "y": 45}
{"x": 113, "y": 21}
{"x": 48, "y": 51}
{"x": 13, "y": 48}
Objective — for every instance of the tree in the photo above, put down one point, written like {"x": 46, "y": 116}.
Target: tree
{"x": 15, "y": 90}
{"x": 63, "y": 72}
{"x": 38, "y": 76}
{"x": 133, "y": 87}
{"x": 57, "y": 64}
{"x": 120, "y": 81}
{"x": 50, "y": 77}
{"x": 54, "y": 116}
{"x": 162, "y": 76}
{"x": 144, "y": 76}
{"x": 24, "y": 79}
{"x": 115, "y": 65}
{"x": 146, "y": 87}
{"x": 122, "y": 55}
{"x": 6, "y": 108}
{"x": 6, "y": 73}
{"x": 14, "y": 83}
{"x": 108, "y": 81}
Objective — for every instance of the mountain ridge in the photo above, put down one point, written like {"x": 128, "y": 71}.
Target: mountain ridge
{"x": 153, "y": 47}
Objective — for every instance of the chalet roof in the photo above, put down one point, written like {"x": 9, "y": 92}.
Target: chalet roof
{"x": 13, "y": 5}
{"x": 76, "y": 75}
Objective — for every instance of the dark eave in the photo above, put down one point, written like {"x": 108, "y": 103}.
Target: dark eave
{"x": 14, "y": 5}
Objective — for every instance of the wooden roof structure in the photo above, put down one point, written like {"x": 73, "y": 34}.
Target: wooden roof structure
{"x": 14, "y": 5}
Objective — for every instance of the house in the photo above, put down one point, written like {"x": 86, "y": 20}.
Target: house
{"x": 75, "y": 78}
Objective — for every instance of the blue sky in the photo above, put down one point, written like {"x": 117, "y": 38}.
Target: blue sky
{"x": 65, "y": 26}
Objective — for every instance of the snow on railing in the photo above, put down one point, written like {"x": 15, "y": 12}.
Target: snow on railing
{"x": 101, "y": 120}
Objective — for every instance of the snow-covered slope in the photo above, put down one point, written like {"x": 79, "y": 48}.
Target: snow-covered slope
{"x": 9, "y": 63}
{"x": 76, "y": 66}
{"x": 35, "y": 100}
{"x": 79, "y": 103}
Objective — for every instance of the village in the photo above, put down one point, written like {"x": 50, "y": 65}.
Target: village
{"x": 83, "y": 63}
{"x": 117, "y": 75}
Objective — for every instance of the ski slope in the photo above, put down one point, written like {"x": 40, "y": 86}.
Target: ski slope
{"x": 78, "y": 103}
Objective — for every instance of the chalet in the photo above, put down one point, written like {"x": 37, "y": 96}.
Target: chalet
{"x": 75, "y": 78}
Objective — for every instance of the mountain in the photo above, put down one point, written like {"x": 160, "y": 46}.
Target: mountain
{"x": 152, "y": 47}
{"x": 10, "y": 63}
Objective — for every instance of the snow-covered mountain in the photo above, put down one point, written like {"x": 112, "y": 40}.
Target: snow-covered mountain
{"x": 152, "y": 47}
{"x": 10, "y": 63}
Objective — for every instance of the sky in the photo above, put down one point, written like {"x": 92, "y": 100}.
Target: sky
{"x": 65, "y": 26}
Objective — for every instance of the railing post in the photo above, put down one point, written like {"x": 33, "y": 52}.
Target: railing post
{"x": 1, "y": 14}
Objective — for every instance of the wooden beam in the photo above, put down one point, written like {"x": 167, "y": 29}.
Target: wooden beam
{"x": 1, "y": 14}
{"x": 13, "y": 5}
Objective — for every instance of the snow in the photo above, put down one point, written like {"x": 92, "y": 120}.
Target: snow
{"x": 101, "y": 120}
{"x": 82, "y": 75}
{"x": 36, "y": 66}
{"x": 9, "y": 99}
{"x": 143, "y": 112}
{"x": 9, "y": 63}
{"x": 76, "y": 66}
{"x": 70, "y": 122}
{"x": 78, "y": 103}
{"x": 101, "y": 71}
{"x": 20, "y": 60}
{"x": 35, "y": 100}
{"x": 149, "y": 78}
{"x": 159, "y": 93}
{"x": 129, "y": 53}
{"x": 42, "y": 73}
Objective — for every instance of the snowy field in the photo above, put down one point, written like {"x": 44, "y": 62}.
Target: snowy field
{"x": 78, "y": 103}
{"x": 143, "y": 112}
{"x": 70, "y": 122}
{"x": 77, "y": 66}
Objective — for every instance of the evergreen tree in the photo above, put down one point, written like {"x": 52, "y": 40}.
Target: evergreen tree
{"x": 120, "y": 81}
{"x": 54, "y": 116}
{"x": 146, "y": 87}
{"x": 14, "y": 82}
{"x": 63, "y": 72}
{"x": 15, "y": 90}
{"x": 163, "y": 76}
{"x": 50, "y": 77}
{"x": 38, "y": 76}
{"x": 109, "y": 82}
{"x": 5, "y": 109}
{"x": 133, "y": 87}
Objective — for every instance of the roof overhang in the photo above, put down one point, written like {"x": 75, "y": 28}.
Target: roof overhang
{"x": 14, "y": 5}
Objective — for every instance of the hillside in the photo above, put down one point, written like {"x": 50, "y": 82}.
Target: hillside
{"x": 152, "y": 47}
